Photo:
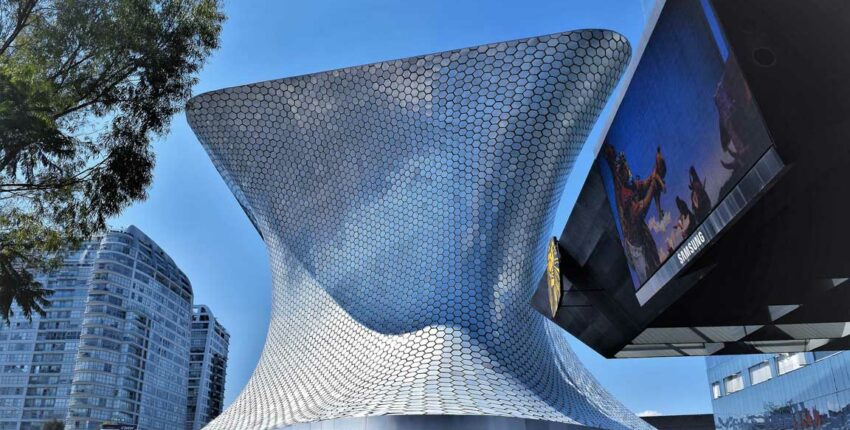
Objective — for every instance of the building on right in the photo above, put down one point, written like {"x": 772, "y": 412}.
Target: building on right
{"x": 207, "y": 368}
{"x": 803, "y": 390}
{"x": 715, "y": 219}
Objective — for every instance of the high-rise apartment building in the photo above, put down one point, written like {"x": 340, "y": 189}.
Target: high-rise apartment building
{"x": 113, "y": 347}
{"x": 207, "y": 368}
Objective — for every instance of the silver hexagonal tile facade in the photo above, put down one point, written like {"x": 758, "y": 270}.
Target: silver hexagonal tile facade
{"x": 405, "y": 207}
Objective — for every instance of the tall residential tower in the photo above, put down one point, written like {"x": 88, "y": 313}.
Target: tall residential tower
{"x": 207, "y": 368}
{"x": 113, "y": 347}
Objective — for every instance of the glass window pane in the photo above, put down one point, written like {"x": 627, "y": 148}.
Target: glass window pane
{"x": 715, "y": 390}
{"x": 760, "y": 373}
{"x": 734, "y": 383}
{"x": 788, "y": 362}
{"x": 820, "y": 355}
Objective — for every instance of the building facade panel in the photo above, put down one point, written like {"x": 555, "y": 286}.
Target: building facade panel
{"x": 405, "y": 207}
{"x": 806, "y": 390}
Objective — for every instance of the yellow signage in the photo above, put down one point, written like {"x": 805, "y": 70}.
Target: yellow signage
{"x": 553, "y": 276}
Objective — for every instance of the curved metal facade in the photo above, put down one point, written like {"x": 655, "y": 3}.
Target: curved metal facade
{"x": 405, "y": 207}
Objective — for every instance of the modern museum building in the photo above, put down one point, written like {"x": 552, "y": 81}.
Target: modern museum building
{"x": 404, "y": 205}
{"x": 407, "y": 207}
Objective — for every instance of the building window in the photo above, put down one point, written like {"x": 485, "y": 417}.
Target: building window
{"x": 760, "y": 373}
{"x": 788, "y": 362}
{"x": 734, "y": 383}
{"x": 715, "y": 390}
{"x": 820, "y": 355}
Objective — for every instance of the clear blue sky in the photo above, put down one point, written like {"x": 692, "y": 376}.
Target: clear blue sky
{"x": 194, "y": 217}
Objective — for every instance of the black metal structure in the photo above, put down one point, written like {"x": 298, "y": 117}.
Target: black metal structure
{"x": 776, "y": 279}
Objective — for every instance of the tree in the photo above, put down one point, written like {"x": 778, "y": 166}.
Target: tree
{"x": 85, "y": 86}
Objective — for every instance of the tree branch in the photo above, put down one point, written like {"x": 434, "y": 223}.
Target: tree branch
{"x": 23, "y": 16}
{"x": 77, "y": 178}
{"x": 70, "y": 62}
{"x": 119, "y": 76}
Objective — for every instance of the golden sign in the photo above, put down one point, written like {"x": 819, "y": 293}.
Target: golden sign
{"x": 553, "y": 276}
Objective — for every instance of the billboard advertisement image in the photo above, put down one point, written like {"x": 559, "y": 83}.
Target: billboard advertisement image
{"x": 686, "y": 133}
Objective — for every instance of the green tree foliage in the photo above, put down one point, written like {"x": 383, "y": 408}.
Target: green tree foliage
{"x": 85, "y": 86}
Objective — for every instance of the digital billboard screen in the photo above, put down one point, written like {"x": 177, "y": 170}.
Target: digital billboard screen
{"x": 686, "y": 133}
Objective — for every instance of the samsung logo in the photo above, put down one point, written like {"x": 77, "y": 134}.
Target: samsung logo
{"x": 689, "y": 249}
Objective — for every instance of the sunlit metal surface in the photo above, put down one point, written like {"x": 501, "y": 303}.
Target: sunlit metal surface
{"x": 405, "y": 207}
